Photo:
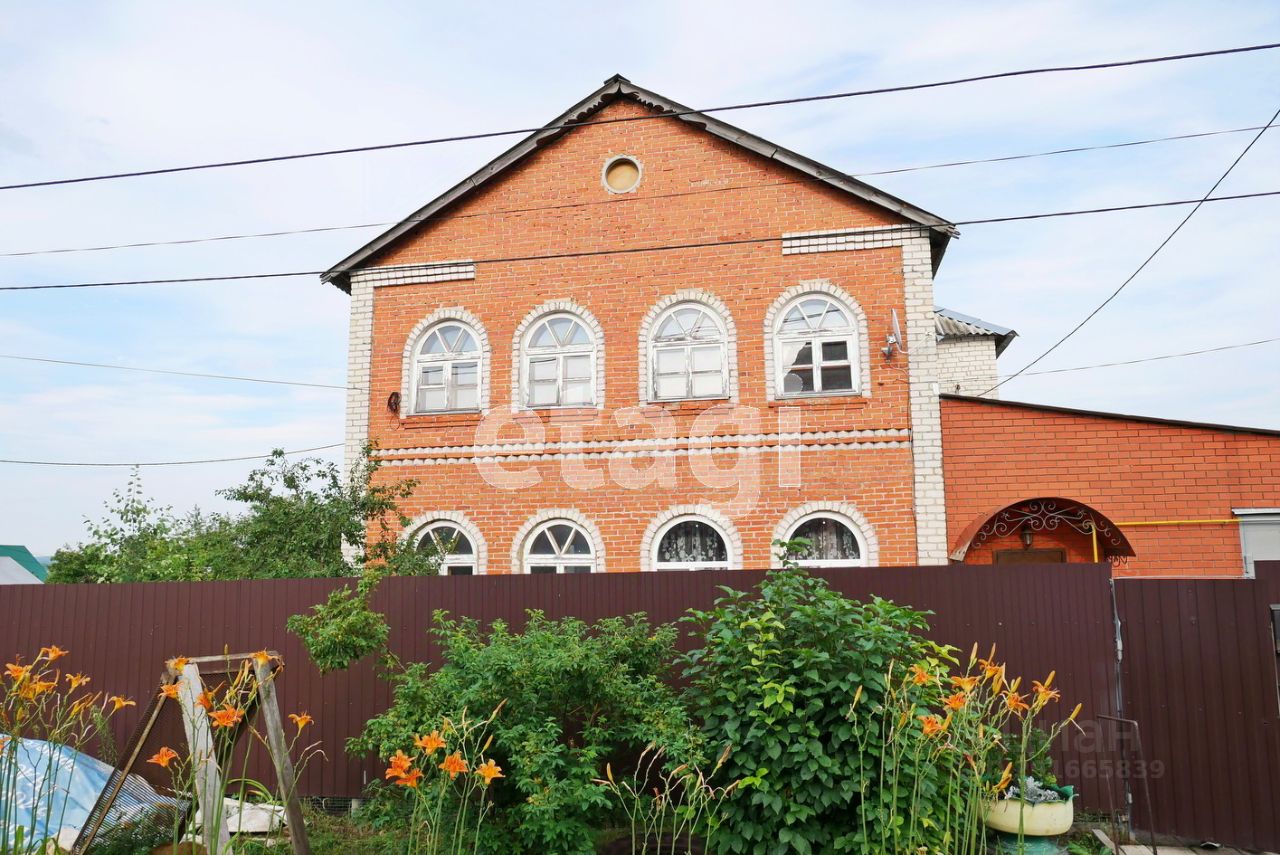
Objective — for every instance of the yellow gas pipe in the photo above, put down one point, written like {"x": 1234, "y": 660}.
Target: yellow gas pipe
{"x": 1094, "y": 531}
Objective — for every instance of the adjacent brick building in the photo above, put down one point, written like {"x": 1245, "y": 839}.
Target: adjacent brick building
{"x": 635, "y": 343}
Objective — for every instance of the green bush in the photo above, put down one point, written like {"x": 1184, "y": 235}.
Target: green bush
{"x": 575, "y": 697}
{"x": 776, "y": 679}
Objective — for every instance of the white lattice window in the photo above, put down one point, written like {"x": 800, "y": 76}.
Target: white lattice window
{"x": 559, "y": 363}
{"x": 690, "y": 543}
{"x": 688, "y": 356}
{"x": 833, "y": 541}
{"x": 559, "y": 546}
{"x": 816, "y": 348}
{"x": 457, "y": 552}
{"x": 447, "y": 369}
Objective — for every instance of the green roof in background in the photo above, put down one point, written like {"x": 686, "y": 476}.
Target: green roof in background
{"x": 23, "y": 556}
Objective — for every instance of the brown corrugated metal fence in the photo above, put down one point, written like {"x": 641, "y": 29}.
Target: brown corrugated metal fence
{"x": 1042, "y": 618}
{"x": 1199, "y": 676}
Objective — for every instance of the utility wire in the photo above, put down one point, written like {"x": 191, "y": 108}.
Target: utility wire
{"x": 168, "y": 462}
{"x": 1134, "y": 275}
{"x": 1150, "y": 358}
{"x": 169, "y": 372}
{"x": 663, "y": 115}
{"x": 626, "y": 199}
{"x": 656, "y": 248}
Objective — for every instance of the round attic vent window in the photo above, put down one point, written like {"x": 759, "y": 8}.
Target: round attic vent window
{"x": 621, "y": 174}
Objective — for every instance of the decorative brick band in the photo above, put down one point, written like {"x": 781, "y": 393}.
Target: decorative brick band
{"x": 847, "y": 513}
{"x": 732, "y": 540}
{"x": 837, "y": 240}
{"x": 670, "y": 452}
{"x": 417, "y": 526}
{"x": 816, "y": 286}
{"x": 688, "y": 295}
{"x": 549, "y": 515}
{"x": 410, "y": 274}
{"x": 568, "y": 307}
{"x": 451, "y": 313}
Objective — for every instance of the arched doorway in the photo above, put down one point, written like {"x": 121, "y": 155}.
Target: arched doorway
{"x": 1042, "y": 530}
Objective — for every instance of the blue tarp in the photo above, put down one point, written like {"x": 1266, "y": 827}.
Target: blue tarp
{"x": 54, "y": 788}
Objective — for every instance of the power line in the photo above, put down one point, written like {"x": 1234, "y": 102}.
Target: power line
{"x": 656, "y": 248}
{"x": 629, "y": 199}
{"x": 1149, "y": 358}
{"x": 1134, "y": 275}
{"x": 168, "y": 462}
{"x": 169, "y": 372}
{"x": 1002, "y": 75}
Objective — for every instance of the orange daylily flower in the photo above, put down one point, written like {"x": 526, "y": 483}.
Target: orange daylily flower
{"x": 1043, "y": 693}
{"x": 177, "y": 663}
{"x": 76, "y": 680}
{"x": 932, "y": 725}
{"x": 300, "y": 719}
{"x": 454, "y": 764}
{"x": 53, "y": 652}
{"x": 227, "y": 716}
{"x": 410, "y": 779}
{"x": 262, "y": 657}
{"x": 17, "y": 672}
{"x": 205, "y": 700}
{"x": 400, "y": 763}
{"x": 1015, "y": 702}
{"x": 118, "y": 702}
{"x": 170, "y": 690}
{"x": 39, "y": 687}
{"x": 965, "y": 684}
{"x": 163, "y": 757}
{"x": 920, "y": 675}
{"x": 489, "y": 770}
{"x": 429, "y": 743}
{"x": 956, "y": 701}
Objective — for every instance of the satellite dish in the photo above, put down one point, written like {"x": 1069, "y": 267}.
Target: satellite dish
{"x": 894, "y": 340}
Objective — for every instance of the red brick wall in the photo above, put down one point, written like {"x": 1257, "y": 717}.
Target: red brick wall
{"x": 619, "y": 290}
{"x": 1129, "y": 470}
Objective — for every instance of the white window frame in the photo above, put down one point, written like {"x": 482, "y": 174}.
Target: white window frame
{"x": 528, "y": 355}
{"x": 561, "y": 560}
{"x": 1254, "y": 518}
{"x": 447, "y": 363}
{"x": 688, "y": 346}
{"x": 849, "y": 336}
{"x": 448, "y": 560}
{"x": 657, "y": 564}
{"x": 854, "y": 528}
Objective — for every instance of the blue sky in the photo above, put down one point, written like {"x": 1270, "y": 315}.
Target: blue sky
{"x": 91, "y": 88}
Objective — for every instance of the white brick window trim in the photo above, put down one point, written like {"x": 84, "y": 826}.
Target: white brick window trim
{"x": 839, "y": 240}
{"x": 578, "y": 518}
{"x": 718, "y": 307}
{"x": 835, "y": 292}
{"x": 552, "y": 307}
{"x": 417, "y": 527}
{"x": 450, "y": 313}
{"x": 846, "y": 513}
{"x": 412, "y": 274}
{"x": 703, "y": 513}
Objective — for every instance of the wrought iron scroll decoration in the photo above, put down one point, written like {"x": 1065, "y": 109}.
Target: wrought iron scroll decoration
{"x": 1048, "y": 515}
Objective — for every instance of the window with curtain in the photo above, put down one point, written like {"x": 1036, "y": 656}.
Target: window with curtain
{"x": 691, "y": 544}
{"x": 816, "y": 348}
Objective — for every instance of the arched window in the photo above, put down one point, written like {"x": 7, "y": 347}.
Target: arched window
{"x": 559, "y": 363}
{"x": 447, "y": 371}
{"x": 457, "y": 552}
{"x": 834, "y": 541}
{"x": 688, "y": 356}
{"x": 816, "y": 348}
{"x": 690, "y": 543}
{"x": 559, "y": 546}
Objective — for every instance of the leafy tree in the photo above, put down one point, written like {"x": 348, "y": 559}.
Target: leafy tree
{"x": 299, "y": 517}
{"x": 776, "y": 679}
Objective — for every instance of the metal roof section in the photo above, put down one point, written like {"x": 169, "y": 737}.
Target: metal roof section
{"x": 955, "y": 325}
{"x": 16, "y": 562}
{"x": 614, "y": 88}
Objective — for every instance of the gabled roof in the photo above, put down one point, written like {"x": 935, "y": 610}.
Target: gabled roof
{"x": 614, "y": 88}
{"x": 22, "y": 557}
{"x": 955, "y": 325}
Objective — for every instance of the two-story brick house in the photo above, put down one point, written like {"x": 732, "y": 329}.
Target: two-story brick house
{"x": 643, "y": 338}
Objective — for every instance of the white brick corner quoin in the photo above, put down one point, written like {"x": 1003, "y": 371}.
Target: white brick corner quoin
{"x": 922, "y": 364}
